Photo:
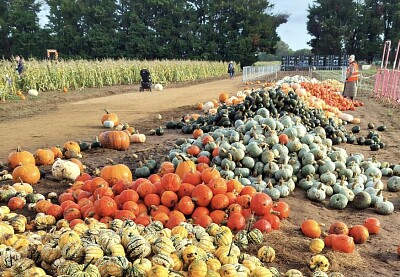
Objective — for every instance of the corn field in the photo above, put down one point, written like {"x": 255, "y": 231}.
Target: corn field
{"x": 79, "y": 74}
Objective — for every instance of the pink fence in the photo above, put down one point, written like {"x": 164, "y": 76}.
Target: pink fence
{"x": 387, "y": 81}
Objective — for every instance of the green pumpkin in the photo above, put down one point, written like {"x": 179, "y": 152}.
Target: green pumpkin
{"x": 254, "y": 149}
{"x": 384, "y": 207}
{"x": 393, "y": 184}
{"x": 248, "y": 162}
{"x": 159, "y": 131}
{"x": 362, "y": 200}
{"x": 142, "y": 172}
{"x": 274, "y": 193}
{"x": 316, "y": 193}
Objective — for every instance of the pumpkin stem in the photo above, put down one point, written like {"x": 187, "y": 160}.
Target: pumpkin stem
{"x": 107, "y": 112}
{"x": 87, "y": 265}
{"x": 230, "y": 249}
{"x": 110, "y": 161}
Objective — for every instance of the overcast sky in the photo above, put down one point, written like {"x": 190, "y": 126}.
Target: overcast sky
{"x": 294, "y": 32}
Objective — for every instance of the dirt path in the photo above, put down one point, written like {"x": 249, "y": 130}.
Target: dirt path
{"x": 81, "y": 120}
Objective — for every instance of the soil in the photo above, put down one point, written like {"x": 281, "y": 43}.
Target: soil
{"x": 55, "y": 117}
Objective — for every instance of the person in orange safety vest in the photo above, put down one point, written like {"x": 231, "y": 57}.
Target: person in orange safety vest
{"x": 352, "y": 74}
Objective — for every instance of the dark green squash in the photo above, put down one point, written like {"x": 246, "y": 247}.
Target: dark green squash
{"x": 374, "y": 147}
{"x": 381, "y": 128}
{"x": 356, "y": 129}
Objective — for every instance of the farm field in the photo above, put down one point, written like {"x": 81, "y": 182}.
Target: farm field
{"x": 55, "y": 117}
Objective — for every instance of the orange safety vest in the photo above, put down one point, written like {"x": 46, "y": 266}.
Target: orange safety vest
{"x": 355, "y": 74}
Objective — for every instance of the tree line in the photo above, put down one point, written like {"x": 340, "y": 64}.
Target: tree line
{"x": 357, "y": 27}
{"x": 148, "y": 29}
{"x": 243, "y": 31}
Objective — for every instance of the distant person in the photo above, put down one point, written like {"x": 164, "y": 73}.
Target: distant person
{"x": 231, "y": 69}
{"x": 20, "y": 65}
{"x": 352, "y": 74}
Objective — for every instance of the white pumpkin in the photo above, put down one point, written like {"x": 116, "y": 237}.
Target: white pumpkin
{"x": 208, "y": 105}
{"x": 63, "y": 169}
{"x": 33, "y": 92}
{"x": 108, "y": 124}
{"x": 158, "y": 87}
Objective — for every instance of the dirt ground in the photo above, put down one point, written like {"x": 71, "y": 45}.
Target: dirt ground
{"x": 55, "y": 117}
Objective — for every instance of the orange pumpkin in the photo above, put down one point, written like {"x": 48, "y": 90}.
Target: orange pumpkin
{"x": 185, "y": 166}
{"x": 113, "y": 173}
{"x": 28, "y": 173}
{"x": 339, "y": 228}
{"x": 202, "y": 195}
{"x": 105, "y": 206}
{"x": 359, "y": 233}
{"x": 373, "y": 225}
{"x": 20, "y": 157}
{"x": 57, "y": 152}
{"x": 110, "y": 117}
{"x": 166, "y": 167}
{"x": 44, "y": 156}
{"x": 311, "y": 228}
{"x": 209, "y": 173}
{"x": 169, "y": 199}
{"x": 197, "y": 133}
{"x": 72, "y": 146}
{"x": 16, "y": 203}
{"x": 223, "y": 96}
{"x": 171, "y": 182}
{"x": 117, "y": 140}
{"x": 343, "y": 243}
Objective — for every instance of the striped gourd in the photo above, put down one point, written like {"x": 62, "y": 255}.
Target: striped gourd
{"x": 266, "y": 254}
{"x": 180, "y": 230}
{"x": 260, "y": 271}
{"x": 138, "y": 247}
{"x": 158, "y": 271}
{"x": 206, "y": 243}
{"x": 108, "y": 237}
{"x": 150, "y": 236}
{"x": 116, "y": 250}
{"x": 8, "y": 257}
{"x": 213, "y": 229}
{"x": 241, "y": 240}
{"x": 163, "y": 245}
{"x": 163, "y": 259}
{"x": 228, "y": 270}
{"x": 197, "y": 268}
{"x": 241, "y": 270}
{"x": 21, "y": 266}
{"x": 127, "y": 234}
{"x": 112, "y": 266}
{"x": 50, "y": 252}
{"x": 135, "y": 271}
{"x": 143, "y": 264}
{"x": 116, "y": 224}
{"x": 68, "y": 268}
{"x": 93, "y": 252}
{"x": 154, "y": 226}
{"x": 67, "y": 237}
{"x": 223, "y": 238}
{"x": 255, "y": 236}
{"x": 181, "y": 245}
{"x": 73, "y": 251}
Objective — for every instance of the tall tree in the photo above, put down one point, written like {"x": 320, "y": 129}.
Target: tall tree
{"x": 5, "y": 44}
{"x": 333, "y": 25}
{"x": 100, "y": 25}
{"x": 65, "y": 23}
{"x": 24, "y": 32}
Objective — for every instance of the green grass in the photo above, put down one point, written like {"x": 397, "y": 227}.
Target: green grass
{"x": 270, "y": 63}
